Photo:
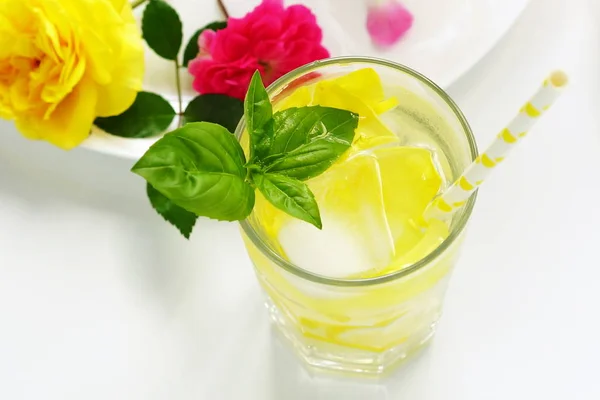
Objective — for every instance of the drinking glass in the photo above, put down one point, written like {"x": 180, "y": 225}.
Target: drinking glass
{"x": 368, "y": 326}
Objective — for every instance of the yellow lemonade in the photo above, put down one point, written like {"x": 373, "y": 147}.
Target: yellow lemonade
{"x": 361, "y": 294}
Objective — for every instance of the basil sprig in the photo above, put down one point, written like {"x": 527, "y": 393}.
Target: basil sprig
{"x": 202, "y": 168}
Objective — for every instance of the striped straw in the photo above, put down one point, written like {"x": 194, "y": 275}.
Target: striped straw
{"x": 456, "y": 195}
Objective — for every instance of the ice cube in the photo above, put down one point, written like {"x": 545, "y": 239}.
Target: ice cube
{"x": 368, "y": 206}
{"x": 336, "y": 251}
{"x": 355, "y": 236}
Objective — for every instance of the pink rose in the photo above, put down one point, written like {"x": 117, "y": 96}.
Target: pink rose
{"x": 272, "y": 39}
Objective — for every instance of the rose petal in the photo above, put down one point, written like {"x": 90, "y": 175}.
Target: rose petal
{"x": 205, "y": 40}
{"x": 388, "y": 23}
{"x": 229, "y": 45}
{"x": 70, "y": 122}
{"x": 299, "y": 14}
{"x": 268, "y": 27}
{"x": 269, "y": 50}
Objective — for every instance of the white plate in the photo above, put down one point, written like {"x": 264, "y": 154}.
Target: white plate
{"x": 448, "y": 37}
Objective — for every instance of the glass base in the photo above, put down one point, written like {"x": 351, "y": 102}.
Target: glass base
{"x": 335, "y": 358}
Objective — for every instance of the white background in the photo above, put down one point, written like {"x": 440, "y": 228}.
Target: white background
{"x": 100, "y": 299}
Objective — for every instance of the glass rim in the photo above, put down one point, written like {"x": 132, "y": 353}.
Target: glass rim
{"x": 414, "y": 267}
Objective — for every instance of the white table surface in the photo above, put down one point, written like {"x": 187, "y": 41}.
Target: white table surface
{"x": 100, "y": 299}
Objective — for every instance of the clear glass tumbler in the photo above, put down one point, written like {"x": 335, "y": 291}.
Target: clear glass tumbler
{"x": 368, "y": 326}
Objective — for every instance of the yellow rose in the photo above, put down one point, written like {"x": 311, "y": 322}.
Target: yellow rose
{"x": 65, "y": 62}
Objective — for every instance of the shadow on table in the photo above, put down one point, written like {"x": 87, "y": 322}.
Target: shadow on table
{"x": 93, "y": 214}
{"x": 43, "y": 175}
{"x": 292, "y": 381}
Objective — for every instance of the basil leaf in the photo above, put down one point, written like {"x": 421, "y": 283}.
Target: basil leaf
{"x": 297, "y": 126}
{"x": 258, "y": 113}
{"x": 308, "y": 140}
{"x": 149, "y": 115}
{"x": 200, "y": 167}
{"x": 162, "y": 29}
{"x": 289, "y": 195}
{"x": 217, "y": 108}
{"x": 172, "y": 213}
{"x": 191, "y": 50}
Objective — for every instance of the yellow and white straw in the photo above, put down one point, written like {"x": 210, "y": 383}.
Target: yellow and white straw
{"x": 456, "y": 195}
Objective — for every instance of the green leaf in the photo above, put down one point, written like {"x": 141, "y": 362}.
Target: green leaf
{"x": 162, "y": 29}
{"x": 258, "y": 112}
{"x": 218, "y": 108}
{"x": 200, "y": 167}
{"x": 308, "y": 140}
{"x": 191, "y": 50}
{"x": 289, "y": 195}
{"x": 149, "y": 115}
{"x": 172, "y": 213}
